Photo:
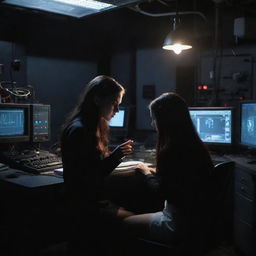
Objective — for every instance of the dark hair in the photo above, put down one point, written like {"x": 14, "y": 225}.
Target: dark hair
{"x": 176, "y": 131}
{"x": 87, "y": 110}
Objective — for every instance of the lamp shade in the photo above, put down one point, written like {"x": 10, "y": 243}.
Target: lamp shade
{"x": 176, "y": 41}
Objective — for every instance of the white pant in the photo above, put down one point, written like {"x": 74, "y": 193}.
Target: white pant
{"x": 163, "y": 224}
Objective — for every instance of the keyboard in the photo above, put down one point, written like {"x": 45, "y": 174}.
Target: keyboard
{"x": 32, "y": 161}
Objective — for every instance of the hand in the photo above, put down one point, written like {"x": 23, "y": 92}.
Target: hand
{"x": 123, "y": 149}
{"x": 144, "y": 169}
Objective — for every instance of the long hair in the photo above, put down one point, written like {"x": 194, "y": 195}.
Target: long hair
{"x": 175, "y": 128}
{"x": 87, "y": 110}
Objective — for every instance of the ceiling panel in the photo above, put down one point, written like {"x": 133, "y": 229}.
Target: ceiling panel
{"x": 76, "y": 9}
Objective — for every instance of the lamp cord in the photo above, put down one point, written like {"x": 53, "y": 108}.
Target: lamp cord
{"x": 177, "y": 11}
{"x": 174, "y": 24}
{"x": 138, "y": 9}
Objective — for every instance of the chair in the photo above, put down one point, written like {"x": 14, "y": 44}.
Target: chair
{"x": 222, "y": 225}
{"x": 223, "y": 191}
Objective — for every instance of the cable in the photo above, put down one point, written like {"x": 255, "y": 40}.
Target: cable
{"x": 137, "y": 9}
{"x": 19, "y": 92}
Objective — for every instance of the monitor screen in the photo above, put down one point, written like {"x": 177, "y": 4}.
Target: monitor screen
{"x": 40, "y": 122}
{"x": 118, "y": 120}
{"x": 213, "y": 124}
{"x": 248, "y": 124}
{"x": 119, "y": 125}
{"x": 14, "y": 123}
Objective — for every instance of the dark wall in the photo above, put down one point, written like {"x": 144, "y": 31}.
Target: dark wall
{"x": 58, "y": 82}
{"x": 54, "y": 45}
{"x": 63, "y": 54}
{"x": 9, "y": 53}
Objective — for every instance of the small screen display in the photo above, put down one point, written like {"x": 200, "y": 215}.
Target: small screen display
{"x": 213, "y": 126}
{"x": 118, "y": 120}
{"x": 40, "y": 122}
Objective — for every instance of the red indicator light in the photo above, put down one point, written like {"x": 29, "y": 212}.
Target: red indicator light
{"x": 205, "y": 87}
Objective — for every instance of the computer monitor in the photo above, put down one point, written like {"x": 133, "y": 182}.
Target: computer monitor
{"x": 14, "y": 123}
{"x": 214, "y": 124}
{"x": 40, "y": 122}
{"x": 248, "y": 124}
{"x": 119, "y": 123}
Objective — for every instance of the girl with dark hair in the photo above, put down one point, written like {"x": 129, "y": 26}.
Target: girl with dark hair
{"x": 87, "y": 160}
{"x": 182, "y": 177}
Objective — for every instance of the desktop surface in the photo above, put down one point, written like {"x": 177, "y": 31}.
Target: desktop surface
{"x": 28, "y": 180}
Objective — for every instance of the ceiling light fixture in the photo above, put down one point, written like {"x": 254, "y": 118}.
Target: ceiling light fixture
{"x": 86, "y": 4}
{"x": 73, "y": 8}
{"x": 175, "y": 40}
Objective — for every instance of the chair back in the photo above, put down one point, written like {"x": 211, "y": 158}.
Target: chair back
{"x": 223, "y": 198}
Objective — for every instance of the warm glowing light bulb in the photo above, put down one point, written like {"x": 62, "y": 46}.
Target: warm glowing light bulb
{"x": 177, "y": 48}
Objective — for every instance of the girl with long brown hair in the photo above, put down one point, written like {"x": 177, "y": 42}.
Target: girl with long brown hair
{"x": 87, "y": 160}
{"x": 182, "y": 177}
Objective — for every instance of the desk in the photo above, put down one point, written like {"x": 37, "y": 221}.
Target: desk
{"x": 30, "y": 205}
{"x": 244, "y": 204}
{"x": 27, "y": 180}
{"x": 243, "y": 162}
{"x": 144, "y": 155}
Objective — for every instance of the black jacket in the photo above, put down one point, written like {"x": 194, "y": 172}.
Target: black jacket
{"x": 84, "y": 167}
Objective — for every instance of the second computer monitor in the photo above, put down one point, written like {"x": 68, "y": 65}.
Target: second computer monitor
{"x": 213, "y": 124}
{"x": 40, "y": 122}
{"x": 248, "y": 124}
